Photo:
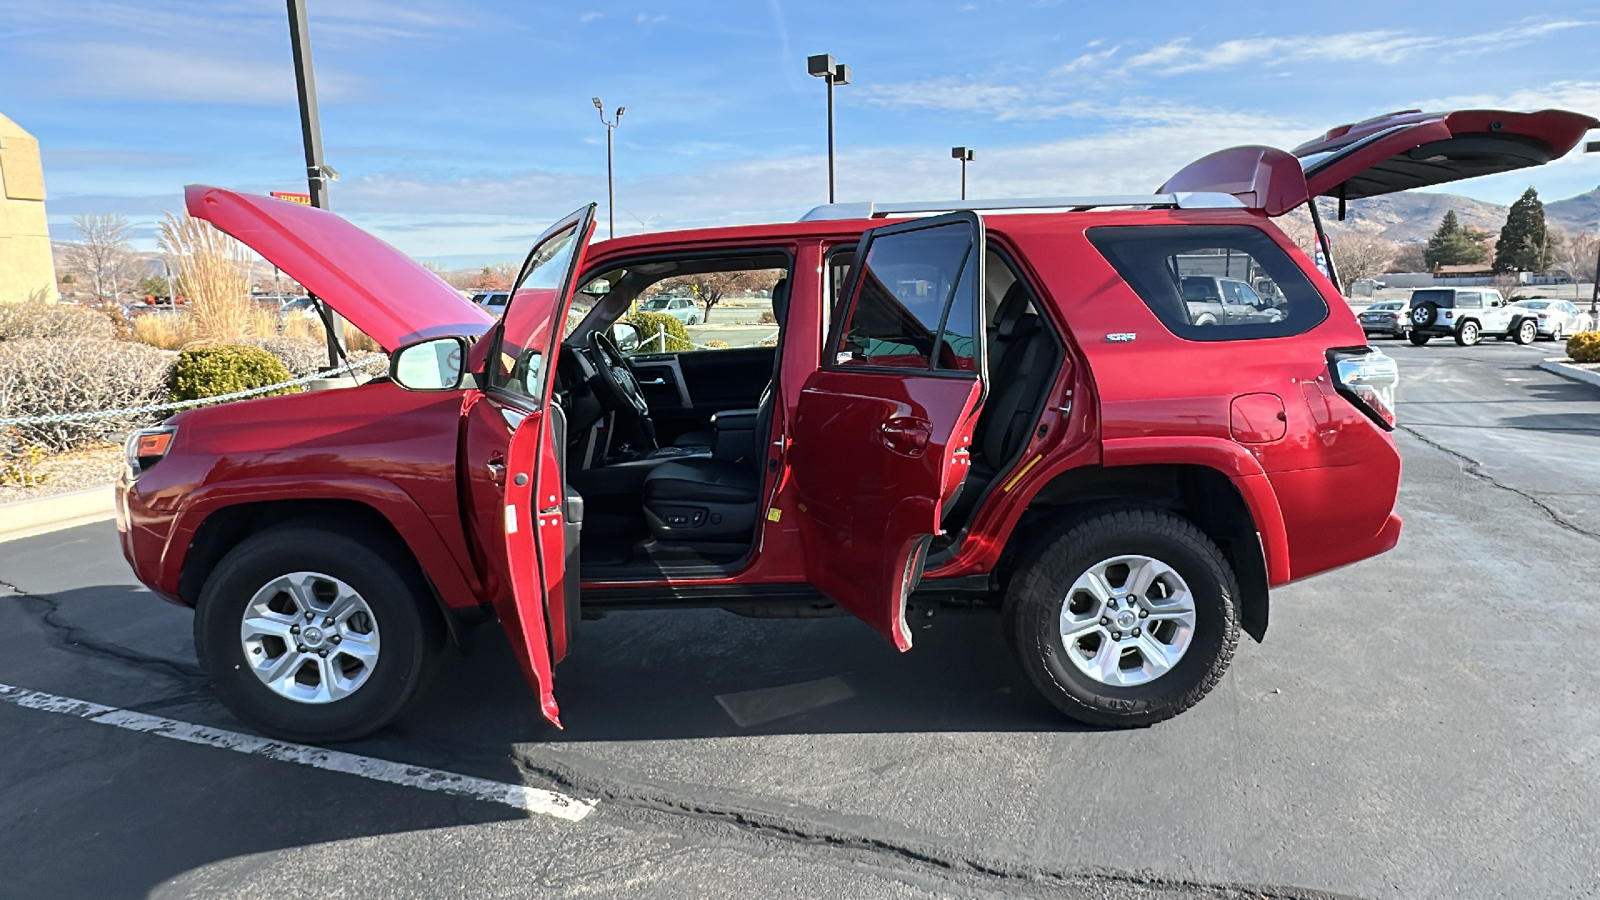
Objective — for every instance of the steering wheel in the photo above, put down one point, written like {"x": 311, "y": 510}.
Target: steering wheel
{"x": 619, "y": 389}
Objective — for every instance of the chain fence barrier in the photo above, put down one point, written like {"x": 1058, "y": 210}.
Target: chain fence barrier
{"x": 186, "y": 404}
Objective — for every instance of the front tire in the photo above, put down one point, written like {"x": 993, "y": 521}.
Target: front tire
{"x": 1468, "y": 335}
{"x": 1125, "y": 619}
{"x": 1555, "y": 333}
{"x": 310, "y": 635}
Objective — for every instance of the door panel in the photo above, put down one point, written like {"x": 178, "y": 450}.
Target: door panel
{"x": 881, "y": 435}
{"x": 512, "y": 457}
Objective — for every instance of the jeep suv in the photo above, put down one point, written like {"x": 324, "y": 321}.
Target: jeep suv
{"x": 1468, "y": 314}
{"x": 1007, "y": 404}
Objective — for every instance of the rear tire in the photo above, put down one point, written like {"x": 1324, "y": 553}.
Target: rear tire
{"x": 1053, "y": 618}
{"x": 1418, "y": 339}
{"x": 1555, "y": 333}
{"x": 1527, "y": 332}
{"x": 405, "y": 635}
{"x": 1468, "y": 334}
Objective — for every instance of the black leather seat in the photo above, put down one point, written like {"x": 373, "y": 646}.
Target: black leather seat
{"x": 780, "y": 307}
{"x": 716, "y": 499}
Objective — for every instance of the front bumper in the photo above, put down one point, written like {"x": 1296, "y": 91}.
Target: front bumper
{"x": 143, "y": 534}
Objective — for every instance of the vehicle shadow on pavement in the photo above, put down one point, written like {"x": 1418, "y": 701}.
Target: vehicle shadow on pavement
{"x": 709, "y": 674}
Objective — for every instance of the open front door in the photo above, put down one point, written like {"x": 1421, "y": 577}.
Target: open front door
{"x": 882, "y": 432}
{"x": 514, "y": 450}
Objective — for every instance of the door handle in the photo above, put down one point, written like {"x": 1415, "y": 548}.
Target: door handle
{"x": 497, "y": 469}
{"x": 907, "y": 434}
{"x": 655, "y": 382}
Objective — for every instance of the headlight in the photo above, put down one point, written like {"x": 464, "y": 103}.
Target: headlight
{"x": 148, "y": 446}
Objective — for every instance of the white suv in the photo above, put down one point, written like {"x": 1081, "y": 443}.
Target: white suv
{"x": 1468, "y": 314}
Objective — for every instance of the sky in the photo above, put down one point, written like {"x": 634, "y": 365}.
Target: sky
{"x": 461, "y": 128}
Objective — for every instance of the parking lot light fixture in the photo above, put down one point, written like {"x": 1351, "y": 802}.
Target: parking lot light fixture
{"x": 966, "y": 155}
{"x": 1594, "y": 298}
{"x": 823, "y": 66}
{"x": 611, "y": 188}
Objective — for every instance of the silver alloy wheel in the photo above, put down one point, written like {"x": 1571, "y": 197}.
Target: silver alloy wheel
{"x": 310, "y": 637}
{"x": 1127, "y": 620}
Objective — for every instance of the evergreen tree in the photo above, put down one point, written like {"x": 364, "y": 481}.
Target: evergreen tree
{"x": 1452, "y": 245}
{"x": 1524, "y": 242}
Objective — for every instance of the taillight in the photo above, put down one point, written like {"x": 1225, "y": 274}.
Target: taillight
{"x": 148, "y": 446}
{"x": 1367, "y": 377}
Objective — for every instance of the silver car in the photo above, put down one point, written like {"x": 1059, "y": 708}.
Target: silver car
{"x": 1389, "y": 317}
{"x": 681, "y": 308}
{"x": 1557, "y": 318}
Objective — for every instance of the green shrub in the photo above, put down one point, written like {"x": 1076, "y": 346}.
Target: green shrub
{"x": 54, "y": 376}
{"x": 1584, "y": 347}
{"x": 652, "y": 324}
{"x": 34, "y": 319}
{"x": 224, "y": 369}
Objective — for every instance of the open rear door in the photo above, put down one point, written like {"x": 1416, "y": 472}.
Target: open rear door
{"x": 514, "y": 450}
{"x": 881, "y": 436}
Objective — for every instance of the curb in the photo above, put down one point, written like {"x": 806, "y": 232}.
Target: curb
{"x": 26, "y": 518}
{"x": 1558, "y": 366}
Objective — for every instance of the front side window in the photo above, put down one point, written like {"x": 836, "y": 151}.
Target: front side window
{"x": 1213, "y": 282}
{"x": 525, "y": 330}
{"x": 916, "y": 304}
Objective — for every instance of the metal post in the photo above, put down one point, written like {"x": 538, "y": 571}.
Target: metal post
{"x": 965, "y": 155}
{"x": 316, "y": 171}
{"x": 823, "y": 66}
{"x": 830, "y": 138}
{"x": 611, "y": 190}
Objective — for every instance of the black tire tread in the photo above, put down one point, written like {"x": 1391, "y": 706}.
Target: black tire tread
{"x": 1035, "y": 583}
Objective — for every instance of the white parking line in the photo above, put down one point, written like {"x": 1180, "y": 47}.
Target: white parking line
{"x": 529, "y": 799}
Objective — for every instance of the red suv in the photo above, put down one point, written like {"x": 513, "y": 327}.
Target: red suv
{"x": 993, "y": 405}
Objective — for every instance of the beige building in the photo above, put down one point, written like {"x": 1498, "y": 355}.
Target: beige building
{"x": 26, "y": 268}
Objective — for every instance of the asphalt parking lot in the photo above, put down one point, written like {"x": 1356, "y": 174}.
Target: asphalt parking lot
{"x": 1424, "y": 724}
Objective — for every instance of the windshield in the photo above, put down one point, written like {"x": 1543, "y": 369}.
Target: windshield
{"x": 1532, "y": 304}
{"x": 655, "y": 303}
{"x": 1387, "y": 304}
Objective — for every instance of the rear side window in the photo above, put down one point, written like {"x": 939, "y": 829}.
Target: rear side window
{"x": 916, "y": 304}
{"x": 1213, "y": 282}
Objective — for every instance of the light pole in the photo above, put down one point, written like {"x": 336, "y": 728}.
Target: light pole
{"x": 318, "y": 173}
{"x": 1594, "y": 299}
{"x": 611, "y": 190}
{"x": 823, "y": 66}
{"x": 965, "y": 154}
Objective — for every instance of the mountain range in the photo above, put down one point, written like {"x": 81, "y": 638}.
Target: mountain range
{"x": 1415, "y": 216}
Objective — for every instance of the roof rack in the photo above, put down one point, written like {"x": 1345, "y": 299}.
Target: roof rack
{"x": 875, "y": 210}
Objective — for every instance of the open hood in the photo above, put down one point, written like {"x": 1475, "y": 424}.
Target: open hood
{"x": 1396, "y": 152}
{"x": 383, "y": 292}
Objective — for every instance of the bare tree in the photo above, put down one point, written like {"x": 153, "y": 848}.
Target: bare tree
{"x": 1297, "y": 225}
{"x": 1358, "y": 255}
{"x": 1507, "y": 283}
{"x": 1410, "y": 257}
{"x": 708, "y": 288}
{"x": 103, "y": 258}
{"x": 1577, "y": 255}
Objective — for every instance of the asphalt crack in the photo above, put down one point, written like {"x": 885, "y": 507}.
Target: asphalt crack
{"x": 896, "y": 855}
{"x": 74, "y": 639}
{"x": 1475, "y": 469}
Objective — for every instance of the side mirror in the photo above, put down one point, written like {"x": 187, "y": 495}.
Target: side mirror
{"x": 434, "y": 365}
{"x": 627, "y": 336}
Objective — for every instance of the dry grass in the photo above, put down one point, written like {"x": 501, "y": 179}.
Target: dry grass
{"x": 302, "y": 327}
{"x": 213, "y": 272}
{"x": 357, "y": 341}
{"x": 167, "y": 331}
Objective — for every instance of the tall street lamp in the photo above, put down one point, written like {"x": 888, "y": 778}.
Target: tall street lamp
{"x": 1594, "y": 299}
{"x": 318, "y": 173}
{"x": 611, "y": 188}
{"x": 965, "y": 154}
{"x": 822, "y": 66}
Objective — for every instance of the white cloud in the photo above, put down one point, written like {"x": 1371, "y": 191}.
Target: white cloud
{"x": 150, "y": 73}
{"x": 647, "y": 19}
{"x": 588, "y": 17}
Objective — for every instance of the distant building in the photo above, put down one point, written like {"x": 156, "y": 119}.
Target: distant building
{"x": 26, "y": 269}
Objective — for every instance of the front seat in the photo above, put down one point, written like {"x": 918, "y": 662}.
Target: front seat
{"x": 708, "y": 439}
{"x": 713, "y": 499}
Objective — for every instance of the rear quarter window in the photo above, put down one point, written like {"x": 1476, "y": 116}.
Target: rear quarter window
{"x": 1180, "y": 271}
